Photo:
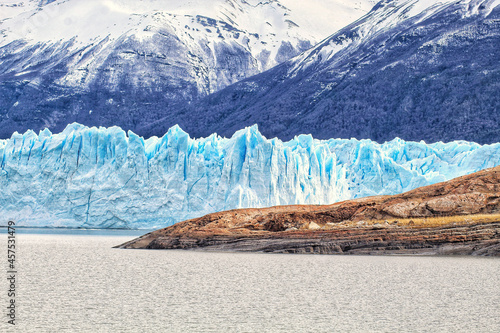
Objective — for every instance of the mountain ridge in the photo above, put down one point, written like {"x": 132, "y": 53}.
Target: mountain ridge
{"x": 418, "y": 70}
{"x": 127, "y": 63}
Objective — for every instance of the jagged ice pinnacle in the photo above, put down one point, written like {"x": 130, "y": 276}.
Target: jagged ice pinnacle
{"x": 106, "y": 178}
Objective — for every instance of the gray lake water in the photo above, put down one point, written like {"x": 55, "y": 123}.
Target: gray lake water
{"x": 79, "y": 283}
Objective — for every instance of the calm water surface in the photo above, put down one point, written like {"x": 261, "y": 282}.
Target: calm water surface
{"x": 78, "y": 283}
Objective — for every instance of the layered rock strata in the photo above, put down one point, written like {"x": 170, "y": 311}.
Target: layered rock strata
{"x": 458, "y": 217}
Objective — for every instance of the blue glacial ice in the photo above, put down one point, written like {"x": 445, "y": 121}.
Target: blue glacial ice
{"x": 107, "y": 178}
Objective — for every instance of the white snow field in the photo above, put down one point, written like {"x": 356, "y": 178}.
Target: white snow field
{"x": 205, "y": 31}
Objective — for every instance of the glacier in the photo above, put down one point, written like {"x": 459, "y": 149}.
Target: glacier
{"x": 109, "y": 178}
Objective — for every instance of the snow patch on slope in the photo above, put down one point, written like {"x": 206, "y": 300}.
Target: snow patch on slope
{"x": 12, "y": 8}
{"x": 386, "y": 15}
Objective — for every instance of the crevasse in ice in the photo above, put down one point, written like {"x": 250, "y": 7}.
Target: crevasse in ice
{"x": 106, "y": 178}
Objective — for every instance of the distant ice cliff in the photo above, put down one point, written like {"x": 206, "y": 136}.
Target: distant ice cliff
{"x": 107, "y": 178}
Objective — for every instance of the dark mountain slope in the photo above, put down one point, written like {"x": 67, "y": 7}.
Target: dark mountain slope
{"x": 417, "y": 70}
{"x": 130, "y": 63}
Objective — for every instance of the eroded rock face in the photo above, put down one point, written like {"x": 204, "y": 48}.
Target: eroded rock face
{"x": 456, "y": 240}
{"x": 458, "y": 203}
{"x": 307, "y": 229}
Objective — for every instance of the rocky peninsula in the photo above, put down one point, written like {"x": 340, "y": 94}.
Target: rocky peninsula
{"x": 458, "y": 217}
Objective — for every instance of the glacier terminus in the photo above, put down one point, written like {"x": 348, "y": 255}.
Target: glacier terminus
{"x": 109, "y": 178}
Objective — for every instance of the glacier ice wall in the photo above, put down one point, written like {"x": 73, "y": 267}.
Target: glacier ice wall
{"x": 106, "y": 178}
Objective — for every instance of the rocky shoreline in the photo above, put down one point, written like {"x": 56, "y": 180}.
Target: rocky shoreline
{"x": 479, "y": 239}
{"x": 458, "y": 217}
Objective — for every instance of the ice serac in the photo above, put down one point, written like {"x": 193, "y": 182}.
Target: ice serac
{"x": 90, "y": 177}
{"x": 107, "y": 178}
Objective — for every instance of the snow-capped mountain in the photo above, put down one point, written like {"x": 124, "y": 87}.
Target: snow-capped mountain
{"x": 102, "y": 178}
{"x": 128, "y": 62}
{"x": 415, "y": 69}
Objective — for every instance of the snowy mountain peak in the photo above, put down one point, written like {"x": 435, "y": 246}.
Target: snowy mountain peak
{"x": 88, "y": 20}
{"x": 387, "y": 14}
{"x": 416, "y": 69}
{"x": 96, "y": 61}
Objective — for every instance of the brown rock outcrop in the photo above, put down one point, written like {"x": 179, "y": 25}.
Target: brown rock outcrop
{"x": 461, "y": 216}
